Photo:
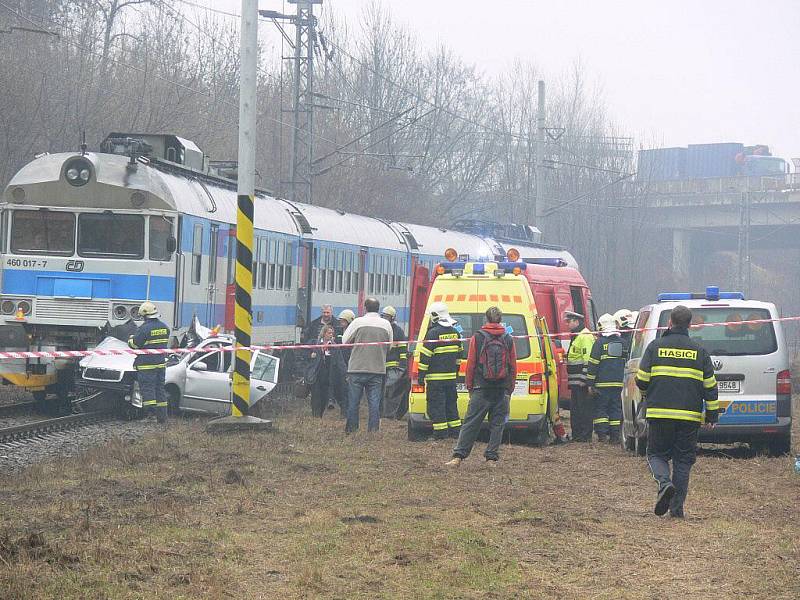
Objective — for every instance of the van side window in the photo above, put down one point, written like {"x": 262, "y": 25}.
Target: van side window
{"x": 638, "y": 345}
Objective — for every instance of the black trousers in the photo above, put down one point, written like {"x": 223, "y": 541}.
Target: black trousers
{"x": 151, "y": 386}
{"x": 321, "y": 391}
{"x": 674, "y": 440}
{"x": 581, "y": 413}
{"x": 608, "y": 412}
{"x": 483, "y": 401}
{"x": 442, "y": 397}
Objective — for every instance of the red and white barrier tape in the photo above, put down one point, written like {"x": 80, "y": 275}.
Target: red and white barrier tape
{"x": 125, "y": 351}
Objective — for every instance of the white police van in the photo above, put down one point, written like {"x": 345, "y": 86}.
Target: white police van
{"x": 751, "y": 363}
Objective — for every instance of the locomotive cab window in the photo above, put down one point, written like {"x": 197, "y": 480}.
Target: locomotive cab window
{"x": 160, "y": 233}
{"x": 43, "y": 232}
{"x": 107, "y": 235}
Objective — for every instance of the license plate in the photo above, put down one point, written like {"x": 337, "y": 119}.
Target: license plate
{"x": 729, "y": 387}
{"x": 520, "y": 387}
{"x": 461, "y": 388}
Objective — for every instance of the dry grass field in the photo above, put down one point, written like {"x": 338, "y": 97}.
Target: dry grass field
{"x": 305, "y": 512}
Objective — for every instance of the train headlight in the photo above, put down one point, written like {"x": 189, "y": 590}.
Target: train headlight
{"x": 7, "y": 307}
{"x": 78, "y": 171}
{"x": 25, "y": 307}
{"x": 120, "y": 312}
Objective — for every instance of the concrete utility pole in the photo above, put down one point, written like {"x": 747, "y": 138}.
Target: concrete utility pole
{"x": 538, "y": 170}
{"x": 744, "y": 244}
{"x": 248, "y": 60}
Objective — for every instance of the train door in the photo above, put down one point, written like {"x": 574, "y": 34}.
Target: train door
{"x": 230, "y": 282}
{"x": 305, "y": 284}
{"x": 211, "y": 288}
{"x": 362, "y": 277}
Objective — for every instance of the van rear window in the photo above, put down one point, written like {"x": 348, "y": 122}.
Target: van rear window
{"x": 472, "y": 322}
{"x": 734, "y": 339}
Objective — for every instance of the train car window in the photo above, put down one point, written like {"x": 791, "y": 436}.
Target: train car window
{"x": 212, "y": 263}
{"x": 43, "y": 232}
{"x": 160, "y": 232}
{"x": 323, "y": 272}
{"x": 271, "y": 261}
{"x": 106, "y": 235}
{"x": 331, "y": 270}
{"x": 279, "y": 275}
{"x": 231, "y": 258}
{"x": 197, "y": 254}
{"x": 287, "y": 274}
{"x": 263, "y": 256}
{"x": 372, "y": 283}
{"x": 3, "y": 228}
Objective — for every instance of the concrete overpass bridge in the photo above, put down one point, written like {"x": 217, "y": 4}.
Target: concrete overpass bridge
{"x": 739, "y": 214}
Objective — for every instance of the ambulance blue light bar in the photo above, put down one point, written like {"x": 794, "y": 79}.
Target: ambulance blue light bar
{"x": 547, "y": 262}
{"x": 712, "y": 294}
{"x": 509, "y": 267}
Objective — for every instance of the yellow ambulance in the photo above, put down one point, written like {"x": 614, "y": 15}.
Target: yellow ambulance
{"x": 469, "y": 288}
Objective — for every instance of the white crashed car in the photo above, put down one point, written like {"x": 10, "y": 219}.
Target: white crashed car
{"x": 198, "y": 380}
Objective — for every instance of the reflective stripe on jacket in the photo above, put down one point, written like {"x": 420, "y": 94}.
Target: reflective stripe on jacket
{"x": 440, "y": 355}
{"x": 607, "y": 370}
{"x": 151, "y": 335}
{"x": 578, "y": 357}
{"x": 397, "y": 357}
{"x": 678, "y": 376}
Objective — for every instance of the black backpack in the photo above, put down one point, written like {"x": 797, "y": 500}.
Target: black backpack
{"x": 494, "y": 357}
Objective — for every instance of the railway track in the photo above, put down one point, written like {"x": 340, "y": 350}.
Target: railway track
{"x": 16, "y": 408}
{"x": 11, "y": 437}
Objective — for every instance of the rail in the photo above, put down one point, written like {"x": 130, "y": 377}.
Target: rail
{"x": 19, "y": 433}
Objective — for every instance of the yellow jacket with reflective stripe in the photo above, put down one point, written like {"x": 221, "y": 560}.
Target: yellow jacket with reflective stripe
{"x": 440, "y": 355}
{"x": 678, "y": 376}
{"x": 580, "y": 349}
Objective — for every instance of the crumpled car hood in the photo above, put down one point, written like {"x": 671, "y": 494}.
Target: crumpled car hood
{"x": 122, "y": 362}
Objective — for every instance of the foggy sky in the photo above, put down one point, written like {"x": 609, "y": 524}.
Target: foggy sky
{"x": 672, "y": 72}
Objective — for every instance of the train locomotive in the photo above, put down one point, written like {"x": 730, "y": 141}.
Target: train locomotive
{"x": 85, "y": 237}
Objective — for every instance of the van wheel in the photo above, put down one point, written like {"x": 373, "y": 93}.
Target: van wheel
{"x": 415, "y": 434}
{"x": 781, "y": 445}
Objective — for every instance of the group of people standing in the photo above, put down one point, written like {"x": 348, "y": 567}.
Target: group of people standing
{"x": 355, "y": 357}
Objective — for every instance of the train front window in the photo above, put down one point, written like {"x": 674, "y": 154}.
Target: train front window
{"x": 108, "y": 235}
{"x": 160, "y": 232}
{"x": 43, "y": 232}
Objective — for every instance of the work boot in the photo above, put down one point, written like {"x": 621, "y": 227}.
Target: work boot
{"x": 491, "y": 463}
{"x": 560, "y": 440}
{"x": 602, "y": 438}
{"x": 453, "y": 462}
{"x": 665, "y": 495}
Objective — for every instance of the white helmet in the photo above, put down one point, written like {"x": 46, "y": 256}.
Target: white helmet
{"x": 148, "y": 310}
{"x": 625, "y": 318}
{"x": 607, "y": 323}
{"x": 439, "y": 314}
{"x": 347, "y": 315}
{"x": 389, "y": 311}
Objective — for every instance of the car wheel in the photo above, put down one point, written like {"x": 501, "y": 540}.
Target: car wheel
{"x": 780, "y": 446}
{"x": 415, "y": 434}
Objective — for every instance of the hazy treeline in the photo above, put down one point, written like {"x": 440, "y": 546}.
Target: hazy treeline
{"x": 444, "y": 141}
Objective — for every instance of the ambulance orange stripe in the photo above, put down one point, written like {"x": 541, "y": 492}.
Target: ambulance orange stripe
{"x": 518, "y": 299}
{"x": 437, "y": 298}
{"x": 449, "y": 298}
{"x": 461, "y": 297}
{"x": 493, "y": 297}
{"x": 506, "y": 298}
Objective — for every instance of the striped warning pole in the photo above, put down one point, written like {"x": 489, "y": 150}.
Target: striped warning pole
{"x": 243, "y": 312}
{"x": 243, "y": 316}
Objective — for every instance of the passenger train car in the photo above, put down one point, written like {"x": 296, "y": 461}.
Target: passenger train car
{"x": 85, "y": 237}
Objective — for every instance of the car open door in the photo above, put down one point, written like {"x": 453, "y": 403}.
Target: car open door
{"x": 263, "y": 375}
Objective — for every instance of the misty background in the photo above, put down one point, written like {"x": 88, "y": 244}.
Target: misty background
{"x": 441, "y": 97}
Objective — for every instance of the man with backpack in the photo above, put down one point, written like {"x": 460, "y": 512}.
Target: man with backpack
{"x": 491, "y": 374}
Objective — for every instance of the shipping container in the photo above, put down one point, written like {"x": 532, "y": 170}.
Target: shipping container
{"x": 662, "y": 164}
{"x": 713, "y": 160}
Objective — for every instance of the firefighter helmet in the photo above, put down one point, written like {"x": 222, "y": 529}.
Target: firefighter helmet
{"x": 148, "y": 310}
{"x": 607, "y": 323}
{"x": 389, "y": 311}
{"x": 625, "y": 318}
{"x": 439, "y": 314}
{"x": 347, "y": 315}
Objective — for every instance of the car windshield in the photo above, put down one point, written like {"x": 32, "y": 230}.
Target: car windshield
{"x": 43, "y": 232}
{"x": 735, "y": 338}
{"x": 472, "y": 322}
{"x": 108, "y": 235}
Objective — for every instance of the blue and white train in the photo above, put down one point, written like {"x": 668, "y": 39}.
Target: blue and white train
{"x": 86, "y": 237}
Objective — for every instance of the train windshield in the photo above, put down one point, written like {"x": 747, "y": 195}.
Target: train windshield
{"x": 43, "y": 232}
{"x": 107, "y": 235}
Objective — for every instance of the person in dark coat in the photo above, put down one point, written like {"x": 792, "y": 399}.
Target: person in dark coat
{"x": 325, "y": 365}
